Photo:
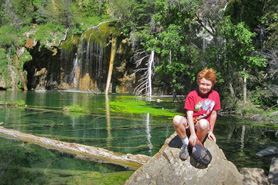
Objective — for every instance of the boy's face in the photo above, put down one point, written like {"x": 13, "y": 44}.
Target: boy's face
{"x": 205, "y": 86}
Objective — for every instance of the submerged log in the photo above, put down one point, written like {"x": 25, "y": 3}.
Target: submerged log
{"x": 82, "y": 151}
{"x": 272, "y": 150}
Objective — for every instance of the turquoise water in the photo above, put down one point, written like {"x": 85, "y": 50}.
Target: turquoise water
{"x": 116, "y": 131}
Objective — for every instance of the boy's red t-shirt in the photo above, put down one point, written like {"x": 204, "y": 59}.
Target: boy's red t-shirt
{"x": 202, "y": 105}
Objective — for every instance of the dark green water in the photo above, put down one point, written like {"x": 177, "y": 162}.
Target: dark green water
{"x": 116, "y": 131}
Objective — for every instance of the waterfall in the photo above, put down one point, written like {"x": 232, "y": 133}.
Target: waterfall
{"x": 73, "y": 73}
{"x": 87, "y": 64}
{"x": 84, "y": 60}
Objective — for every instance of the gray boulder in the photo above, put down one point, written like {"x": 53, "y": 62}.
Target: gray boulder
{"x": 166, "y": 167}
{"x": 254, "y": 176}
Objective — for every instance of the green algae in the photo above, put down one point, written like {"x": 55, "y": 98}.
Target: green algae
{"x": 78, "y": 177}
{"x": 70, "y": 43}
{"x": 17, "y": 103}
{"x": 130, "y": 105}
{"x": 76, "y": 108}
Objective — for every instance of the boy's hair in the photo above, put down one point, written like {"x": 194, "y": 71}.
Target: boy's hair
{"x": 208, "y": 74}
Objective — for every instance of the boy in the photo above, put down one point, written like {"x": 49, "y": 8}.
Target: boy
{"x": 201, "y": 106}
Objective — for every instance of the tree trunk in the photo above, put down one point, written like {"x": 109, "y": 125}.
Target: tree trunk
{"x": 244, "y": 87}
{"x": 150, "y": 65}
{"x": 232, "y": 89}
{"x": 111, "y": 63}
{"x": 230, "y": 82}
{"x": 79, "y": 150}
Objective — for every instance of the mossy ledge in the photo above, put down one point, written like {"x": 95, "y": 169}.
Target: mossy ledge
{"x": 129, "y": 161}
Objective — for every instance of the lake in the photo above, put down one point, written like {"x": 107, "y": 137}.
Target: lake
{"x": 120, "y": 123}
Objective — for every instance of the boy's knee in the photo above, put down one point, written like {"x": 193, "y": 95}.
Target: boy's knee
{"x": 203, "y": 124}
{"x": 177, "y": 120}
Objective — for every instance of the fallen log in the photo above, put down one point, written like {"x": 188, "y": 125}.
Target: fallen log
{"x": 81, "y": 151}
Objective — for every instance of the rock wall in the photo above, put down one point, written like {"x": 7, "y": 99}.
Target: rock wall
{"x": 167, "y": 168}
{"x": 81, "y": 63}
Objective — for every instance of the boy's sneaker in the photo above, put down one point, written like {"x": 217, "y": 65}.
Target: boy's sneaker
{"x": 184, "y": 152}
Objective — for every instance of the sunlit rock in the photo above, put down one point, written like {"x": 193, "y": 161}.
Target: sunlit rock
{"x": 254, "y": 176}
{"x": 166, "y": 168}
{"x": 273, "y": 171}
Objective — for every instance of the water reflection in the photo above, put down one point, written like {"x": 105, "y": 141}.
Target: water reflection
{"x": 148, "y": 131}
{"x": 242, "y": 138}
{"x": 109, "y": 136}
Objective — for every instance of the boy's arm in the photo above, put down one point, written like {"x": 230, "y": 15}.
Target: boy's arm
{"x": 193, "y": 136}
{"x": 212, "y": 123}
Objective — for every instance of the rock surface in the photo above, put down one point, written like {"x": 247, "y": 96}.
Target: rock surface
{"x": 268, "y": 151}
{"x": 167, "y": 168}
{"x": 273, "y": 171}
{"x": 254, "y": 176}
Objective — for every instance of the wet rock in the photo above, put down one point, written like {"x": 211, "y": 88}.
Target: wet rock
{"x": 165, "y": 167}
{"x": 254, "y": 176}
{"x": 268, "y": 151}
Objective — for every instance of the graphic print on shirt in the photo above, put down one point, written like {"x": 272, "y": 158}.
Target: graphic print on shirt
{"x": 198, "y": 106}
{"x": 206, "y": 106}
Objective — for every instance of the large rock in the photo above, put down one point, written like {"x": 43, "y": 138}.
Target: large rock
{"x": 254, "y": 176}
{"x": 273, "y": 171}
{"x": 167, "y": 168}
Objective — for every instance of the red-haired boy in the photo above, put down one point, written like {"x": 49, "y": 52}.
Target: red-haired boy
{"x": 201, "y": 107}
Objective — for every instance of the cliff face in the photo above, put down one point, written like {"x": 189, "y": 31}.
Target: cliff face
{"x": 166, "y": 168}
{"x": 81, "y": 63}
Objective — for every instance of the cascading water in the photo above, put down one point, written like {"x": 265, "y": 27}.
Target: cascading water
{"x": 88, "y": 71}
{"x": 78, "y": 63}
{"x": 73, "y": 72}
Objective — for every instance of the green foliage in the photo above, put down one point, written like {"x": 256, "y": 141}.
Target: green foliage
{"x": 48, "y": 33}
{"x": 250, "y": 109}
{"x": 262, "y": 96}
{"x": 236, "y": 53}
{"x": 134, "y": 15}
{"x": 25, "y": 57}
{"x": 24, "y": 9}
{"x": 91, "y": 8}
{"x": 8, "y": 35}
{"x": 269, "y": 22}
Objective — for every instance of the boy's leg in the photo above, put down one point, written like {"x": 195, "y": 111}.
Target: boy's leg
{"x": 180, "y": 125}
{"x": 202, "y": 127}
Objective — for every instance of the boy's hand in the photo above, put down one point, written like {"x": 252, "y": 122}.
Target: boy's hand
{"x": 193, "y": 139}
{"x": 211, "y": 136}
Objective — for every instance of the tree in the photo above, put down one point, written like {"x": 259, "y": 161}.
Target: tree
{"x": 111, "y": 63}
